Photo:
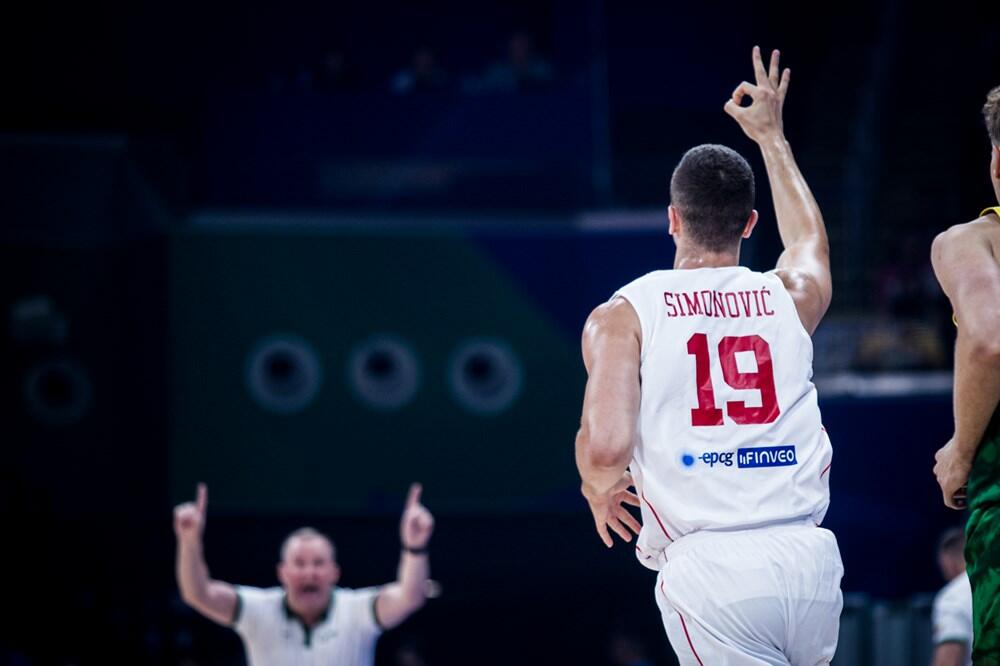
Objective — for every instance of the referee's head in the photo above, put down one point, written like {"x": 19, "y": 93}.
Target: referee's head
{"x": 308, "y": 570}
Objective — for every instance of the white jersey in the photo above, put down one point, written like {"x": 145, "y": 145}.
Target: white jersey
{"x": 729, "y": 434}
{"x": 951, "y": 617}
{"x": 272, "y": 635}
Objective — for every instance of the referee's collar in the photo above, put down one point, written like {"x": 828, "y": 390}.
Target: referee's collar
{"x": 292, "y": 615}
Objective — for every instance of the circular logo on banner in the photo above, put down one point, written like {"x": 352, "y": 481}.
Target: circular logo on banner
{"x": 485, "y": 375}
{"x": 58, "y": 393}
{"x": 283, "y": 374}
{"x": 384, "y": 372}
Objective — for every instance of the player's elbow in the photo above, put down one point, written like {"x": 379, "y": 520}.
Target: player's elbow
{"x": 986, "y": 348}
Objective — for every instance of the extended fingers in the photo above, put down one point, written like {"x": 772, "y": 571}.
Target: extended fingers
{"x": 629, "y": 520}
{"x": 630, "y": 498}
{"x": 602, "y": 531}
{"x": 783, "y": 84}
{"x": 202, "y": 498}
{"x": 619, "y": 529}
{"x": 773, "y": 71}
{"x": 413, "y": 497}
{"x": 758, "y": 67}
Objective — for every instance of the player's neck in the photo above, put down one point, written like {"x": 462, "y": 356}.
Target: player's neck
{"x": 689, "y": 257}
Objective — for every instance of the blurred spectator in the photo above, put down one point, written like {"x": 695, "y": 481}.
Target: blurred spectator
{"x": 424, "y": 74}
{"x": 888, "y": 345}
{"x": 952, "y": 612}
{"x": 906, "y": 284}
{"x": 523, "y": 69}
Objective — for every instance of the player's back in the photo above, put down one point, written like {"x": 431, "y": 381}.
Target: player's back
{"x": 730, "y": 434}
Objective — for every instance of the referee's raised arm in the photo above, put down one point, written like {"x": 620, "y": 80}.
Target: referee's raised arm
{"x": 408, "y": 593}
{"x": 214, "y": 599}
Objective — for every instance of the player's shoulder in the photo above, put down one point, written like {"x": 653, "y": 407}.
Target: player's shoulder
{"x": 615, "y": 314}
{"x": 984, "y": 227}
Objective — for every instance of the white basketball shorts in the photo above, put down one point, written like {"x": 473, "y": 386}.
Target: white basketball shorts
{"x": 768, "y": 595}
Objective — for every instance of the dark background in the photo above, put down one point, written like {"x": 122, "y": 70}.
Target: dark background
{"x": 179, "y": 186}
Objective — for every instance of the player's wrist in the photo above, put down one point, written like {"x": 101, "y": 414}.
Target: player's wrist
{"x": 415, "y": 550}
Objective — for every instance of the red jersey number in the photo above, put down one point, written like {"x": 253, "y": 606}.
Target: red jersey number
{"x": 707, "y": 414}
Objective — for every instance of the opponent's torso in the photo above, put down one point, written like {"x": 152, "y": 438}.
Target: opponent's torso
{"x": 730, "y": 434}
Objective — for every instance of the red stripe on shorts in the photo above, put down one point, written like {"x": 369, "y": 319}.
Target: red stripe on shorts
{"x": 655, "y": 515}
{"x": 825, "y": 470}
{"x": 683, "y": 624}
{"x": 688, "y": 636}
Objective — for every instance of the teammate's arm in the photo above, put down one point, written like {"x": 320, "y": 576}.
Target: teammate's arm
{"x": 400, "y": 599}
{"x": 949, "y": 653}
{"x": 214, "y": 599}
{"x": 606, "y": 439}
{"x": 968, "y": 269}
{"x": 804, "y": 265}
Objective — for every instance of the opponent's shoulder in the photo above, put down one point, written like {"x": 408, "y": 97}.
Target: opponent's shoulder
{"x": 983, "y": 229}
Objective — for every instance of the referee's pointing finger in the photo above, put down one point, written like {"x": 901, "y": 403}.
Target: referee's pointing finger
{"x": 413, "y": 498}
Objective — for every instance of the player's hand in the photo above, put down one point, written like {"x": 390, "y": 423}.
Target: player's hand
{"x": 952, "y": 471}
{"x": 189, "y": 517}
{"x": 762, "y": 119}
{"x": 417, "y": 524}
{"x": 609, "y": 510}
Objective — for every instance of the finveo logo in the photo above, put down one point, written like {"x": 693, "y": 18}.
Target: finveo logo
{"x": 714, "y": 458}
{"x": 766, "y": 456}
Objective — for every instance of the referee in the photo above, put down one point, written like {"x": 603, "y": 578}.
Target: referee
{"x": 308, "y": 620}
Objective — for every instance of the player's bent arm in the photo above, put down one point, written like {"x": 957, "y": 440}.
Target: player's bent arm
{"x": 214, "y": 599}
{"x": 949, "y": 653}
{"x": 399, "y": 600}
{"x": 804, "y": 265}
{"x": 968, "y": 269}
{"x": 611, "y": 353}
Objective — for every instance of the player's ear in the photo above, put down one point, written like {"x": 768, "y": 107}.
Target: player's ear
{"x": 995, "y": 163}
{"x": 675, "y": 221}
{"x": 751, "y": 223}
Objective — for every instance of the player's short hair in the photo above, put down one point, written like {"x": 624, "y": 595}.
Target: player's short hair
{"x": 307, "y": 533}
{"x": 991, "y": 114}
{"x": 952, "y": 542}
{"x": 713, "y": 190}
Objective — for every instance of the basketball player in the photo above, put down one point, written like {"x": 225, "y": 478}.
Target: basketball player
{"x": 699, "y": 384}
{"x": 308, "y": 619}
{"x": 966, "y": 260}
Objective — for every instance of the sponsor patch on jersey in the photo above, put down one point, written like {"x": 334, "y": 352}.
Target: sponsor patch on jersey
{"x": 766, "y": 456}
{"x": 713, "y": 458}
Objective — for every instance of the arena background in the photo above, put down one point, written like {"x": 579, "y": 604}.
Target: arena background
{"x": 239, "y": 250}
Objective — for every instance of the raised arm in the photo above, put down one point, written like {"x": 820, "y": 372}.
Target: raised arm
{"x": 214, "y": 599}
{"x": 606, "y": 439}
{"x": 400, "y": 599}
{"x": 967, "y": 266}
{"x": 804, "y": 265}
